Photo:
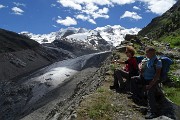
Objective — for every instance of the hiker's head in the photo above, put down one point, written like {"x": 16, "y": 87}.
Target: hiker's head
{"x": 130, "y": 51}
{"x": 150, "y": 52}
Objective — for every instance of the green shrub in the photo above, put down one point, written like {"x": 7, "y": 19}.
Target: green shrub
{"x": 173, "y": 94}
{"x": 173, "y": 40}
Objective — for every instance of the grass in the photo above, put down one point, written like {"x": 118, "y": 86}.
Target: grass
{"x": 173, "y": 94}
{"x": 105, "y": 104}
{"x": 99, "y": 106}
{"x": 175, "y": 78}
{"x": 172, "y": 38}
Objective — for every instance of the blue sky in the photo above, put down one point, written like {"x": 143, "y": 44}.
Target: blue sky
{"x": 45, "y": 16}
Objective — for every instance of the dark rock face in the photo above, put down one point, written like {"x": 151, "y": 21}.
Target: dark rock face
{"x": 73, "y": 47}
{"x": 102, "y": 41}
{"x": 121, "y": 48}
{"x": 67, "y": 33}
{"x": 20, "y": 55}
{"x": 11, "y": 42}
{"x": 81, "y": 30}
{"x": 63, "y": 44}
{"x": 129, "y": 37}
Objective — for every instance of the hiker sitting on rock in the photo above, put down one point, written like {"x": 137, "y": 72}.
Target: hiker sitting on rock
{"x": 130, "y": 69}
{"x": 149, "y": 76}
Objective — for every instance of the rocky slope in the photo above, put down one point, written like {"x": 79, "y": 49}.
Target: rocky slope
{"x": 35, "y": 96}
{"x": 163, "y": 26}
{"x": 20, "y": 55}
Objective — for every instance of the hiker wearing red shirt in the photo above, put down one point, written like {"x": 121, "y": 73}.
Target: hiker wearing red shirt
{"x": 130, "y": 69}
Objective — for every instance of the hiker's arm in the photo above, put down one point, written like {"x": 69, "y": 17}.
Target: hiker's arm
{"x": 121, "y": 62}
{"x": 156, "y": 77}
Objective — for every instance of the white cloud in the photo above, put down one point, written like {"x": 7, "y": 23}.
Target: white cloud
{"x": 92, "y": 21}
{"x": 54, "y": 26}
{"x": 103, "y": 11}
{"x": 96, "y": 15}
{"x": 136, "y": 8}
{"x": 82, "y": 17}
{"x": 1, "y": 6}
{"x": 85, "y": 18}
{"x": 89, "y": 7}
{"x": 159, "y": 6}
{"x": 17, "y": 11}
{"x": 99, "y": 2}
{"x": 133, "y": 15}
{"x": 67, "y": 22}
{"x": 90, "y": 10}
{"x": 94, "y": 11}
{"x": 96, "y": 2}
{"x": 53, "y": 5}
{"x": 70, "y": 3}
{"x": 19, "y": 4}
{"x": 122, "y": 2}
{"x": 155, "y": 6}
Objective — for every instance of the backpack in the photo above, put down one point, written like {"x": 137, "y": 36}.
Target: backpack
{"x": 139, "y": 59}
{"x": 166, "y": 62}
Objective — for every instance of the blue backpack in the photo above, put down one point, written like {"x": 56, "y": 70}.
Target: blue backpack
{"x": 166, "y": 62}
{"x": 139, "y": 59}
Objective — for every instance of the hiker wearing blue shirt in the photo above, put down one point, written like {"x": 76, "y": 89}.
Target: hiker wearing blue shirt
{"x": 150, "y": 70}
{"x": 151, "y": 73}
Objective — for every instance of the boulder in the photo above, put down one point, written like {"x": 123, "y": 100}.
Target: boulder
{"x": 121, "y": 48}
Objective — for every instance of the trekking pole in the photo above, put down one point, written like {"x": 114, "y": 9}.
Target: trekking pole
{"x": 130, "y": 84}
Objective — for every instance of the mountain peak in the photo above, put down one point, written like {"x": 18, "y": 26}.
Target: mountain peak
{"x": 111, "y": 34}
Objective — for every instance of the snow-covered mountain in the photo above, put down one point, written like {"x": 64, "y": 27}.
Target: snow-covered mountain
{"x": 113, "y": 35}
{"x": 48, "y": 38}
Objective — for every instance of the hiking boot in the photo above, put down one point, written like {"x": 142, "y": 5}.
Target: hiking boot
{"x": 133, "y": 97}
{"x": 150, "y": 115}
{"x": 113, "y": 87}
{"x": 120, "y": 90}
